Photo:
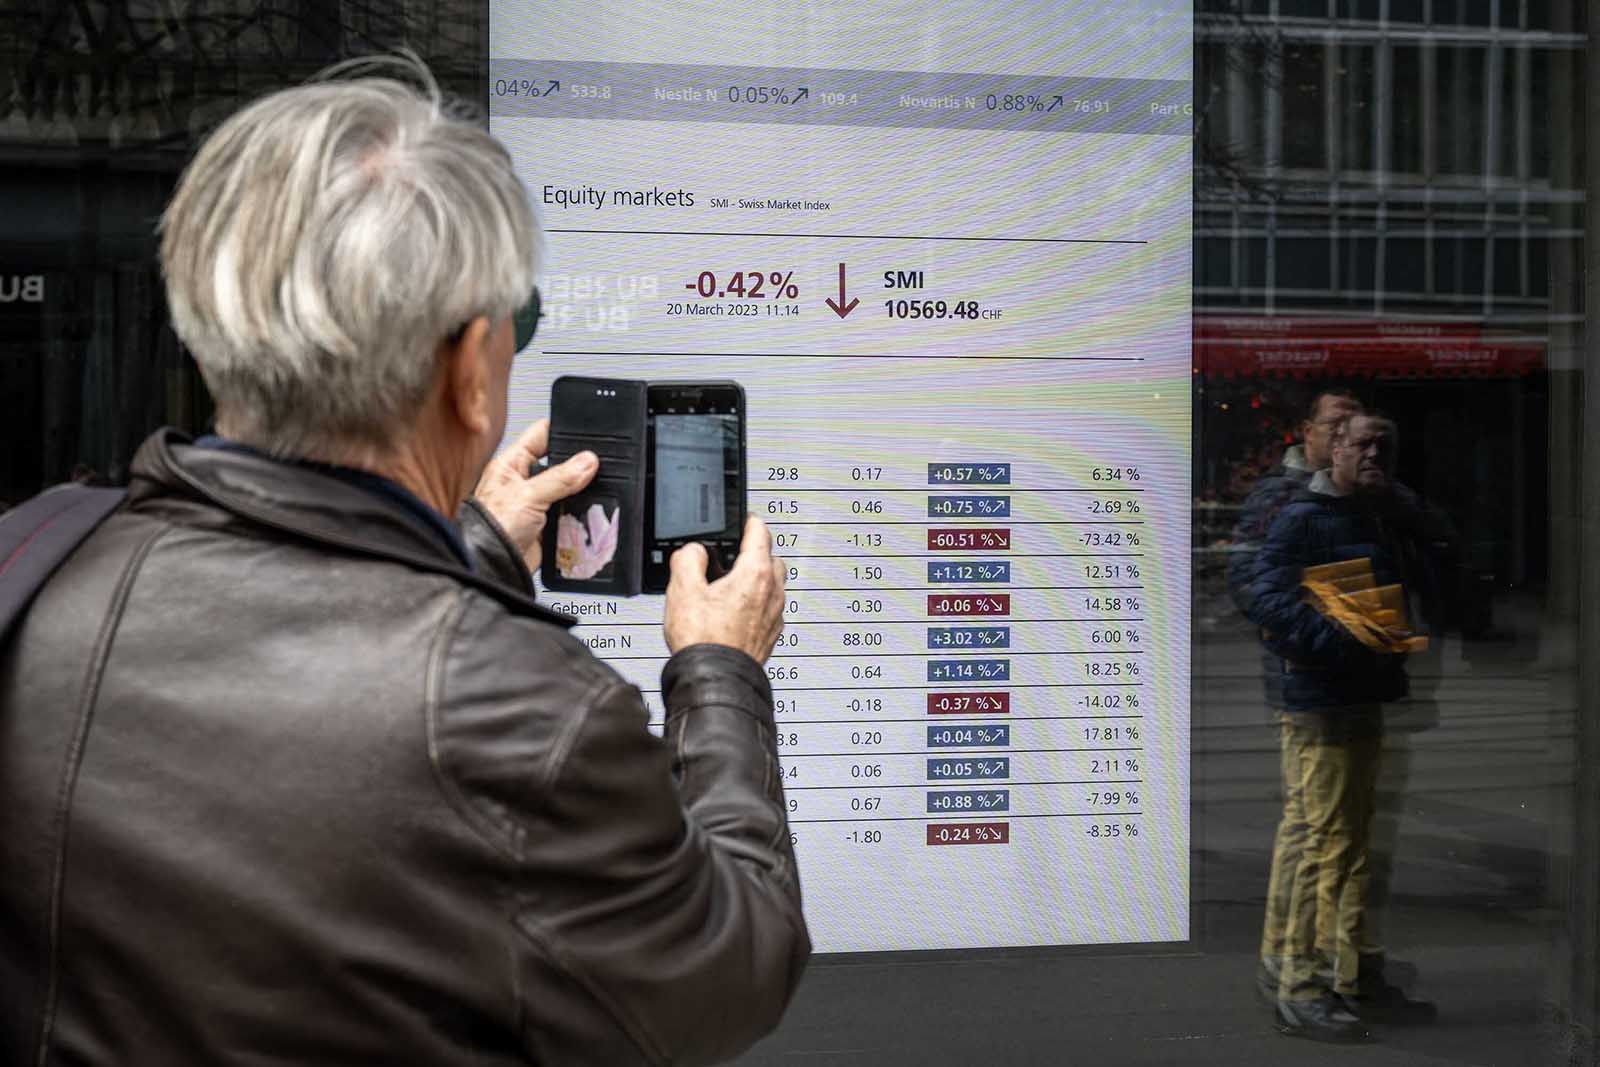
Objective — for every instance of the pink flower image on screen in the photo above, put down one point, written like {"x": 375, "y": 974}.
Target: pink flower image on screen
{"x": 583, "y": 553}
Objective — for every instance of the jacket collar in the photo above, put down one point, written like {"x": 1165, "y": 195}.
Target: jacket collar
{"x": 1322, "y": 484}
{"x": 1294, "y": 459}
{"x": 1393, "y": 500}
{"x": 372, "y": 483}
{"x": 306, "y": 504}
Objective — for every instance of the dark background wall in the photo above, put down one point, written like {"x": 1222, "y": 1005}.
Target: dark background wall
{"x": 101, "y": 103}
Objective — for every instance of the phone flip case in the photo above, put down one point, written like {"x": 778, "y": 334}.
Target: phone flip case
{"x": 591, "y": 540}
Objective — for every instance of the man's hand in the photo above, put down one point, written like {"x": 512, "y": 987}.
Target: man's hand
{"x": 518, "y": 499}
{"x": 743, "y": 609}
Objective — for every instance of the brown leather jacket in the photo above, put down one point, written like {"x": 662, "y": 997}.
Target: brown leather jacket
{"x": 281, "y": 782}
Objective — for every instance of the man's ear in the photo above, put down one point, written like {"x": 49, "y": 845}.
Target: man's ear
{"x": 466, "y": 377}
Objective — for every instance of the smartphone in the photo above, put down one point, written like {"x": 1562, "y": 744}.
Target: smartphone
{"x": 695, "y": 484}
{"x": 592, "y": 540}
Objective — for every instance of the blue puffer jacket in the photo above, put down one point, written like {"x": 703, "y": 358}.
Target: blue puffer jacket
{"x": 1267, "y": 497}
{"x": 1318, "y": 664}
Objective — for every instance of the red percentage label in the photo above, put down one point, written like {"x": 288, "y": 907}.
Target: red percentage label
{"x": 981, "y": 703}
{"x": 969, "y": 604}
{"x": 969, "y": 833}
{"x": 747, "y": 285}
{"x": 967, "y": 538}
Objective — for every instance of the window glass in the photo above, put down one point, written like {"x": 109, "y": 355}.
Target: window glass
{"x": 1458, "y": 108}
{"x": 1304, "y": 106}
{"x": 1356, "y": 80}
{"x": 1403, "y": 110}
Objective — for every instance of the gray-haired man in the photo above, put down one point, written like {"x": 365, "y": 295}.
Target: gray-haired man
{"x": 292, "y": 767}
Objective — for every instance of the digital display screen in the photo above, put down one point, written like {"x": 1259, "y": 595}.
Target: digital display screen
{"x": 691, "y": 474}
{"x": 946, "y": 250}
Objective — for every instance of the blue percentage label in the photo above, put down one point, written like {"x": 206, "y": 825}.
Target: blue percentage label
{"x": 987, "y": 507}
{"x": 974, "y": 736}
{"x": 970, "y": 768}
{"x": 945, "y": 800}
{"x": 969, "y": 572}
{"x": 969, "y": 637}
{"x": 969, "y": 670}
{"x": 969, "y": 474}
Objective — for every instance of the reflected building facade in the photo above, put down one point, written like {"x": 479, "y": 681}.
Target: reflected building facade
{"x": 1390, "y": 198}
{"x": 1388, "y": 194}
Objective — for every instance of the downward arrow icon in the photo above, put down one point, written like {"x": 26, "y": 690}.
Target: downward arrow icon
{"x": 841, "y": 308}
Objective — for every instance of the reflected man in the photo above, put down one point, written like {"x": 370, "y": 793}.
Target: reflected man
{"x": 1328, "y": 410}
{"x": 1333, "y": 687}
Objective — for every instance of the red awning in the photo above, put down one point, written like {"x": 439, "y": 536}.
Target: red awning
{"x": 1252, "y": 346}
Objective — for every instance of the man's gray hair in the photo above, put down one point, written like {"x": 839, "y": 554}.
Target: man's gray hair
{"x": 323, "y": 242}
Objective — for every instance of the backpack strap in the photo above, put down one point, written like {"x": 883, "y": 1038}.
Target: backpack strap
{"x": 38, "y": 535}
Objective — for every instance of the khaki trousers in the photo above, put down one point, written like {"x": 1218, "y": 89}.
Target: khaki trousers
{"x": 1321, "y": 871}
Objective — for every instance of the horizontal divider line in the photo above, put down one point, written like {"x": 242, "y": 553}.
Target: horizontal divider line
{"x": 863, "y": 236}
{"x": 976, "y": 750}
{"x": 786, "y": 722}
{"x": 967, "y": 814}
{"x": 848, "y": 355}
{"x": 947, "y": 653}
{"x": 966, "y": 687}
{"x": 976, "y": 588}
{"x": 958, "y": 781}
{"x": 964, "y": 489}
{"x": 947, "y": 555}
{"x": 975, "y": 654}
{"x": 938, "y": 520}
{"x": 937, "y": 620}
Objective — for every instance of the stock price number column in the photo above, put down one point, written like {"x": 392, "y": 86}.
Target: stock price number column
{"x": 844, "y": 672}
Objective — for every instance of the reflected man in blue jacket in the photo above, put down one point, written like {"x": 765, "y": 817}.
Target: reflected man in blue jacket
{"x": 1332, "y": 690}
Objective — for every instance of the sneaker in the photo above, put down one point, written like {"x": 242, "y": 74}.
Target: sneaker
{"x": 1389, "y": 1004}
{"x": 1323, "y": 1019}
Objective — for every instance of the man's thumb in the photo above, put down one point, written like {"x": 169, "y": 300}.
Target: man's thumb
{"x": 689, "y": 566}
{"x": 564, "y": 479}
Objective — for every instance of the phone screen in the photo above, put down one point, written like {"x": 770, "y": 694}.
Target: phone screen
{"x": 691, "y": 456}
{"x": 696, "y": 474}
